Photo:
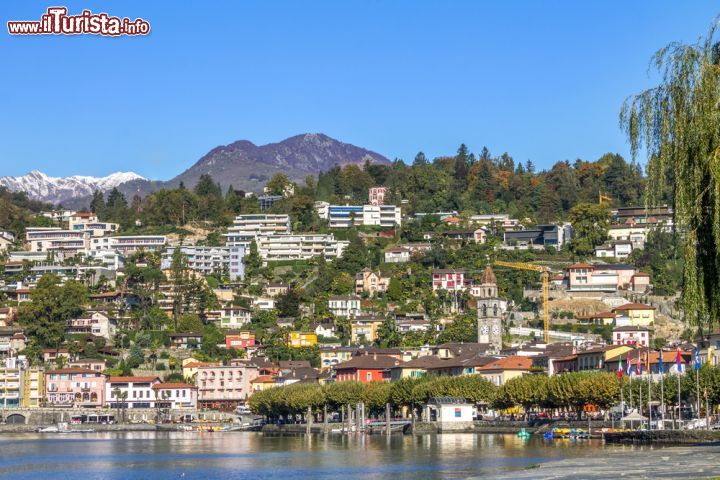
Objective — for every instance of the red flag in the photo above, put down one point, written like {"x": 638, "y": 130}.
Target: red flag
{"x": 637, "y": 366}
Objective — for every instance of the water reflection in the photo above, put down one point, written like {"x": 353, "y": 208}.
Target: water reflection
{"x": 140, "y": 455}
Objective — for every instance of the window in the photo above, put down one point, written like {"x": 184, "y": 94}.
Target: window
{"x": 368, "y": 376}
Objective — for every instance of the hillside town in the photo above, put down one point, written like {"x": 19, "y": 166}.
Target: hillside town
{"x": 202, "y": 319}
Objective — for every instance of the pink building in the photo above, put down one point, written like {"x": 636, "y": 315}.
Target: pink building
{"x": 242, "y": 339}
{"x": 450, "y": 279}
{"x": 634, "y": 336}
{"x": 176, "y": 395}
{"x": 75, "y": 387}
{"x": 376, "y": 195}
{"x": 225, "y": 387}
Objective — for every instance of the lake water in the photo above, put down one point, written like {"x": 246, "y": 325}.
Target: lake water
{"x": 244, "y": 455}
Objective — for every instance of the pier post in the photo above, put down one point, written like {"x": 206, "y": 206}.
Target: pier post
{"x": 387, "y": 419}
{"x": 308, "y": 421}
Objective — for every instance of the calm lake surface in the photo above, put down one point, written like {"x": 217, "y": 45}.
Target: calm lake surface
{"x": 244, "y": 455}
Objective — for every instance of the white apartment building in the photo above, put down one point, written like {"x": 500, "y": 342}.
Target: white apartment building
{"x": 139, "y": 390}
{"x": 247, "y": 228}
{"x": 299, "y": 247}
{"x": 11, "y": 383}
{"x": 59, "y": 215}
{"x": 176, "y": 395}
{"x": 346, "y": 216}
{"x": 210, "y": 260}
{"x": 344, "y": 305}
{"x": 54, "y": 239}
{"x": 322, "y": 209}
{"x": 234, "y": 317}
{"x": 97, "y": 324}
{"x": 128, "y": 244}
{"x": 83, "y": 221}
{"x": 502, "y": 220}
{"x": 6, "y": 240}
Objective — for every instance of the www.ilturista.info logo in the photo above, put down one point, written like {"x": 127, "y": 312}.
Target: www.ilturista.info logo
{"x": 57, "y": 22}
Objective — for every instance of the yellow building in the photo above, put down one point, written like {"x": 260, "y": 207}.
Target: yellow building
{"x": 262, "y": 382}
{"x": 365, "y": 329}
{"x": 302, "y": 339}
{"x": 331, "y": 356}
{"x": 503, "y": 369}
{"x": 641, "y": 315}
{"x": 33, "y": 387}
{"x": 190, "y": 367}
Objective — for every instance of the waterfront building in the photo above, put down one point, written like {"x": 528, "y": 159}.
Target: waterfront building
{"x": 175, "y": 395}
{"x": 75, "y": 387}
{"x": 33, "y": 387}
{"x": 131, "y": 392}
{"x": 225, "y": 387}
{"x": 11, "y": 381}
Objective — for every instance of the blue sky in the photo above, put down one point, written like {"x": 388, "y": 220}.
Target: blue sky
{"x": 542, "y": 80}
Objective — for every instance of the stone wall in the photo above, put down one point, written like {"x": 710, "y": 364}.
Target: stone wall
{"x": 668, "y": 437}
{"x": 51, "y": 416}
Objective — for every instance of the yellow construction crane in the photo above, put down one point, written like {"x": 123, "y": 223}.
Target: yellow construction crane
{"x": 602, "y": 197}
{"x": 545, "y": 277}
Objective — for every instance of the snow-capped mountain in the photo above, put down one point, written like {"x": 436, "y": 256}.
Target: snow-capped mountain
{"x": 40, "y": 186}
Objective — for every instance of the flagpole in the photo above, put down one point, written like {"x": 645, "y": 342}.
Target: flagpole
{"x": 697, "y": 389}
{"x": 707, "y": 411}
{"x": 647, "y": 367}
{"x": 662, "y": 390}
{"x": 679, "y": 403}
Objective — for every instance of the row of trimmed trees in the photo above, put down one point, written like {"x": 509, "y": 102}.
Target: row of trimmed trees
{"x": 408, "y": 393}
{"x": 568, "y": 392}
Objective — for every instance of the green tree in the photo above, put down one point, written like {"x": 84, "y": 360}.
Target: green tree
{"x": 253, "y": 262}
{"x": 51, "y": 305}
{"x": 676, "y": 123}
{"x": 590, "y": 224}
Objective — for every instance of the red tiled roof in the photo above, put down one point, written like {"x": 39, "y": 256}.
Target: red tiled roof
{"x": 169, "y": 385}
{"x": 597, "y": 315}
{"x": 73, "y": 370}
{"x": 579, "y": 265}
{"x": 509, "y": 363}
{"x": 132, "y": 379}
{"x": 633, "y": 306}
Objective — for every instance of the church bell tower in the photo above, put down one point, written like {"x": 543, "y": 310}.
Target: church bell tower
{"x": 489, "y": 311}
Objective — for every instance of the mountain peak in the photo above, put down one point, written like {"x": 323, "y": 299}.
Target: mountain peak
{"x": 40, "y": 186}
{"x": 248, "y": 166}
